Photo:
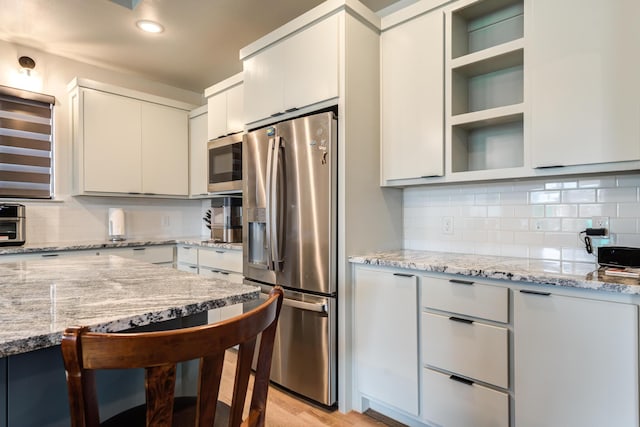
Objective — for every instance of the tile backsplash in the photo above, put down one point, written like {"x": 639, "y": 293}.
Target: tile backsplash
{"x": 536, "y": 218}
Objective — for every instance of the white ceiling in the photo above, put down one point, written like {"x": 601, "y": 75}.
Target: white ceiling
{"x": 198, "y": 48}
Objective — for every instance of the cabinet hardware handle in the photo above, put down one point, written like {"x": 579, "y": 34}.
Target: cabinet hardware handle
{"x": 430, "y": 176}
{"x": 139, "y": 249}
{"x": 214, "y": 271}
{"x": 50, "y": 255}
{"x": 549, "y": 167}
{"x": 219, "y": 252}
{"x": 133, "y": 192}
{"x": 544, "y": 294}
{"x": 461, "y": 282}
{"x": 461, "y": 320}
{"x": 187, "y": 248}
{"x": 277, "y": 114}
{"x": 403, "y": 275}
{"x": 224, "y": 273}
{"x": 192, "y": 267}
{"x": 461, "y": 380}
{"x": 290, "y": 110}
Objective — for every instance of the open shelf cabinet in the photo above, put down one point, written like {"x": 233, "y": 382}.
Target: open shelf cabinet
{"x": 485, "y": 65}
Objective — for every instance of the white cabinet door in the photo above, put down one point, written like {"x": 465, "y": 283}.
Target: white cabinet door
{"x": 235, "y": 109}
{"x": 165, "y": 150}
{"x": 311, "y": 72}
{"x": 576, "y": 362}
{"x": 412, "y": 103}
{"x": 217, "y": 115}
{"x": 112, "y": 153}
{"x": 584, "y": 66}
{"x": 264, "y": 83}
{"x": 198, "y": 155}
{"x": 386, "y": 337}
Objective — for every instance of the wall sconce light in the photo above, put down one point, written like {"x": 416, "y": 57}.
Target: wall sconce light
{"x": 27, "y": 64}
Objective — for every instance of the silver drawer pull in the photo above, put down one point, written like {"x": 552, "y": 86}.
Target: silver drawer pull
{"x": 461, "y": 282}
{"x": 544, "y": 294}
{"x": 403, "y": 275}
{"x": 461, "y": 320}
{"x": 461, "y": 380}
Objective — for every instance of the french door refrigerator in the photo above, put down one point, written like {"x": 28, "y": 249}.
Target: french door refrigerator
{"x": 289, "y": 239}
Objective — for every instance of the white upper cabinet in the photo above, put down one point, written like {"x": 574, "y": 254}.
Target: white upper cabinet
{"x": 292, "y": 73}
{"x": 112, "y": 154}
{"x": 584, "y": 64}
{"x": 412, "y": 99}
{"x": 165, "y": 150}
{"x": 127, "y": 142}
{"x": 225, "y": 107}
{"x": 198, "y": 152}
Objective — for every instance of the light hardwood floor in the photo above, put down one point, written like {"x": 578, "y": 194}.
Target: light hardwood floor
{"x": 285, "y": 410}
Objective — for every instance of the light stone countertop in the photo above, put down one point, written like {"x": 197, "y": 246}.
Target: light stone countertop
{"x": 533, "y": 271}
{"x": 107, "y": 244}
{"x": 39, "y": 298}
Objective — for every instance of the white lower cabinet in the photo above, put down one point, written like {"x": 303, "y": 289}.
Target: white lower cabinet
{"x": 386, "y": 337}
{"x": 223, "y": 264}
{"x": 451, "y": 401}
{"x": 576, "y": 361}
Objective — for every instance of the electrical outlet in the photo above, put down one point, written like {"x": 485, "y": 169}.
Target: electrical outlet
{"x": 447, "y": 225}
{"x": 600, "y": 222}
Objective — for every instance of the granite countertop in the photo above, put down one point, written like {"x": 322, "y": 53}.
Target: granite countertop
{"x": 105, "y": 244}
{"x": 39, "y": 298}
{"x": 567, "y": 274}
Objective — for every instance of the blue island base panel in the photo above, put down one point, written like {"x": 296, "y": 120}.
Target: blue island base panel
{"x": 36, "y": 388}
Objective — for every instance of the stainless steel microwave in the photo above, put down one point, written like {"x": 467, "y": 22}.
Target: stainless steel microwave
{"x": 225, "y": 164}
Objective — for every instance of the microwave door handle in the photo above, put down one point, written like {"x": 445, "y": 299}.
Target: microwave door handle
{"x": 275, "y": 215}
{"x": 269, "y": 202}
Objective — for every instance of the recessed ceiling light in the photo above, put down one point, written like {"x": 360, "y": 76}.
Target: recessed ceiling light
{"x": 150, "y": 26}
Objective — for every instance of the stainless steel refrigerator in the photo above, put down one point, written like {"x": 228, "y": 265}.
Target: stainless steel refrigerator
{"x": 289, "y": 239}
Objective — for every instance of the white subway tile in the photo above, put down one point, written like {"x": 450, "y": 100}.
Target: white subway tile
{"x": 535, "y": 211}
{"x": 624, "y": 239}
{"x": 500, "y": 236}
{"x": 623, "y": 225}
{"x": 545, "y": 224}
{"x": 474, "y": 236}
{"x": 534, "y": 185}
{"x": 491, "y": 249}
{"x": 544, "y": 197}
{"x": 627, "y": 194}
{"x": 626, "y": 210}
{"x": 560, "y": 185}
{"x": 529, "y": 238}
{"x": 518, "y": 251}
{"x": 578, "y": 268}
{"x": 473, "y": 211}
{"x": 487, "y": 199}
{"x": 628, "y": 180}
{"x": 500, "y": 211}
{"x": 575, "y": 225}
{"x": 597, "y": 182}
{"x": 561, "y": 211}
{"x": 598, "y": 209}
{"x": 546, "y": 253}
{"x": 577, "y": 254}
{"x": 579, "y": 196}
{"x": 514, "y": 224}
{"x": 515, "y": 198}
{"x": 560, "y": 239}
{"x": 437, "y": 199}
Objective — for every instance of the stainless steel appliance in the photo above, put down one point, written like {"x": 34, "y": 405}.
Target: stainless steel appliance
{"x": 289, "y": 239}
{"x": 225, "y": 164}
{"x": 12, "y": 224}
{"x": 225, "y": 219}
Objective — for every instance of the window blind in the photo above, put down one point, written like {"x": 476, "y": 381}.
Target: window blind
{"x": 26, "y": 144}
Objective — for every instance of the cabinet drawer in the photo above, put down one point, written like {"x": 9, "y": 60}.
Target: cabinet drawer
{"x": 471, "y": 349}
{"x": 222, "y": 275}
{"x": 152, "y": 254}
{"x": 464, "y": 296}
{"x": 447, "y": 402}
{"x": 190, "y": 268}
{"x": 187, "y": 254}
{"x": 221, "y": 259}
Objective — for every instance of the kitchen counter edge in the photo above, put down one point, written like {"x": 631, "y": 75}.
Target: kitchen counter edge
{"x": 532, "y": 271}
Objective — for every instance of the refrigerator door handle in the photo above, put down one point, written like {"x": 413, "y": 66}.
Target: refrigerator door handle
{"x": 275, "y": 225}
{"x": 269, "y": 203}
{"x": 307, "y": 306}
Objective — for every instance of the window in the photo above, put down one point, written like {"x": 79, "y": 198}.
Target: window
{"x": 26, "y": 144}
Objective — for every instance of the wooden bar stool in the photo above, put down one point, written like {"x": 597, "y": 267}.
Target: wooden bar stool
{"x": 159, "y": 352}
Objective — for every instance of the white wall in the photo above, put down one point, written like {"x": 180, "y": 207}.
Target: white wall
{"x": 528, "y": 218}
{"x": 70, "y": 218}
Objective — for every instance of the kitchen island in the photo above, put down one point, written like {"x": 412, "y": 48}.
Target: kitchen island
{"x": 39, "y": 298}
